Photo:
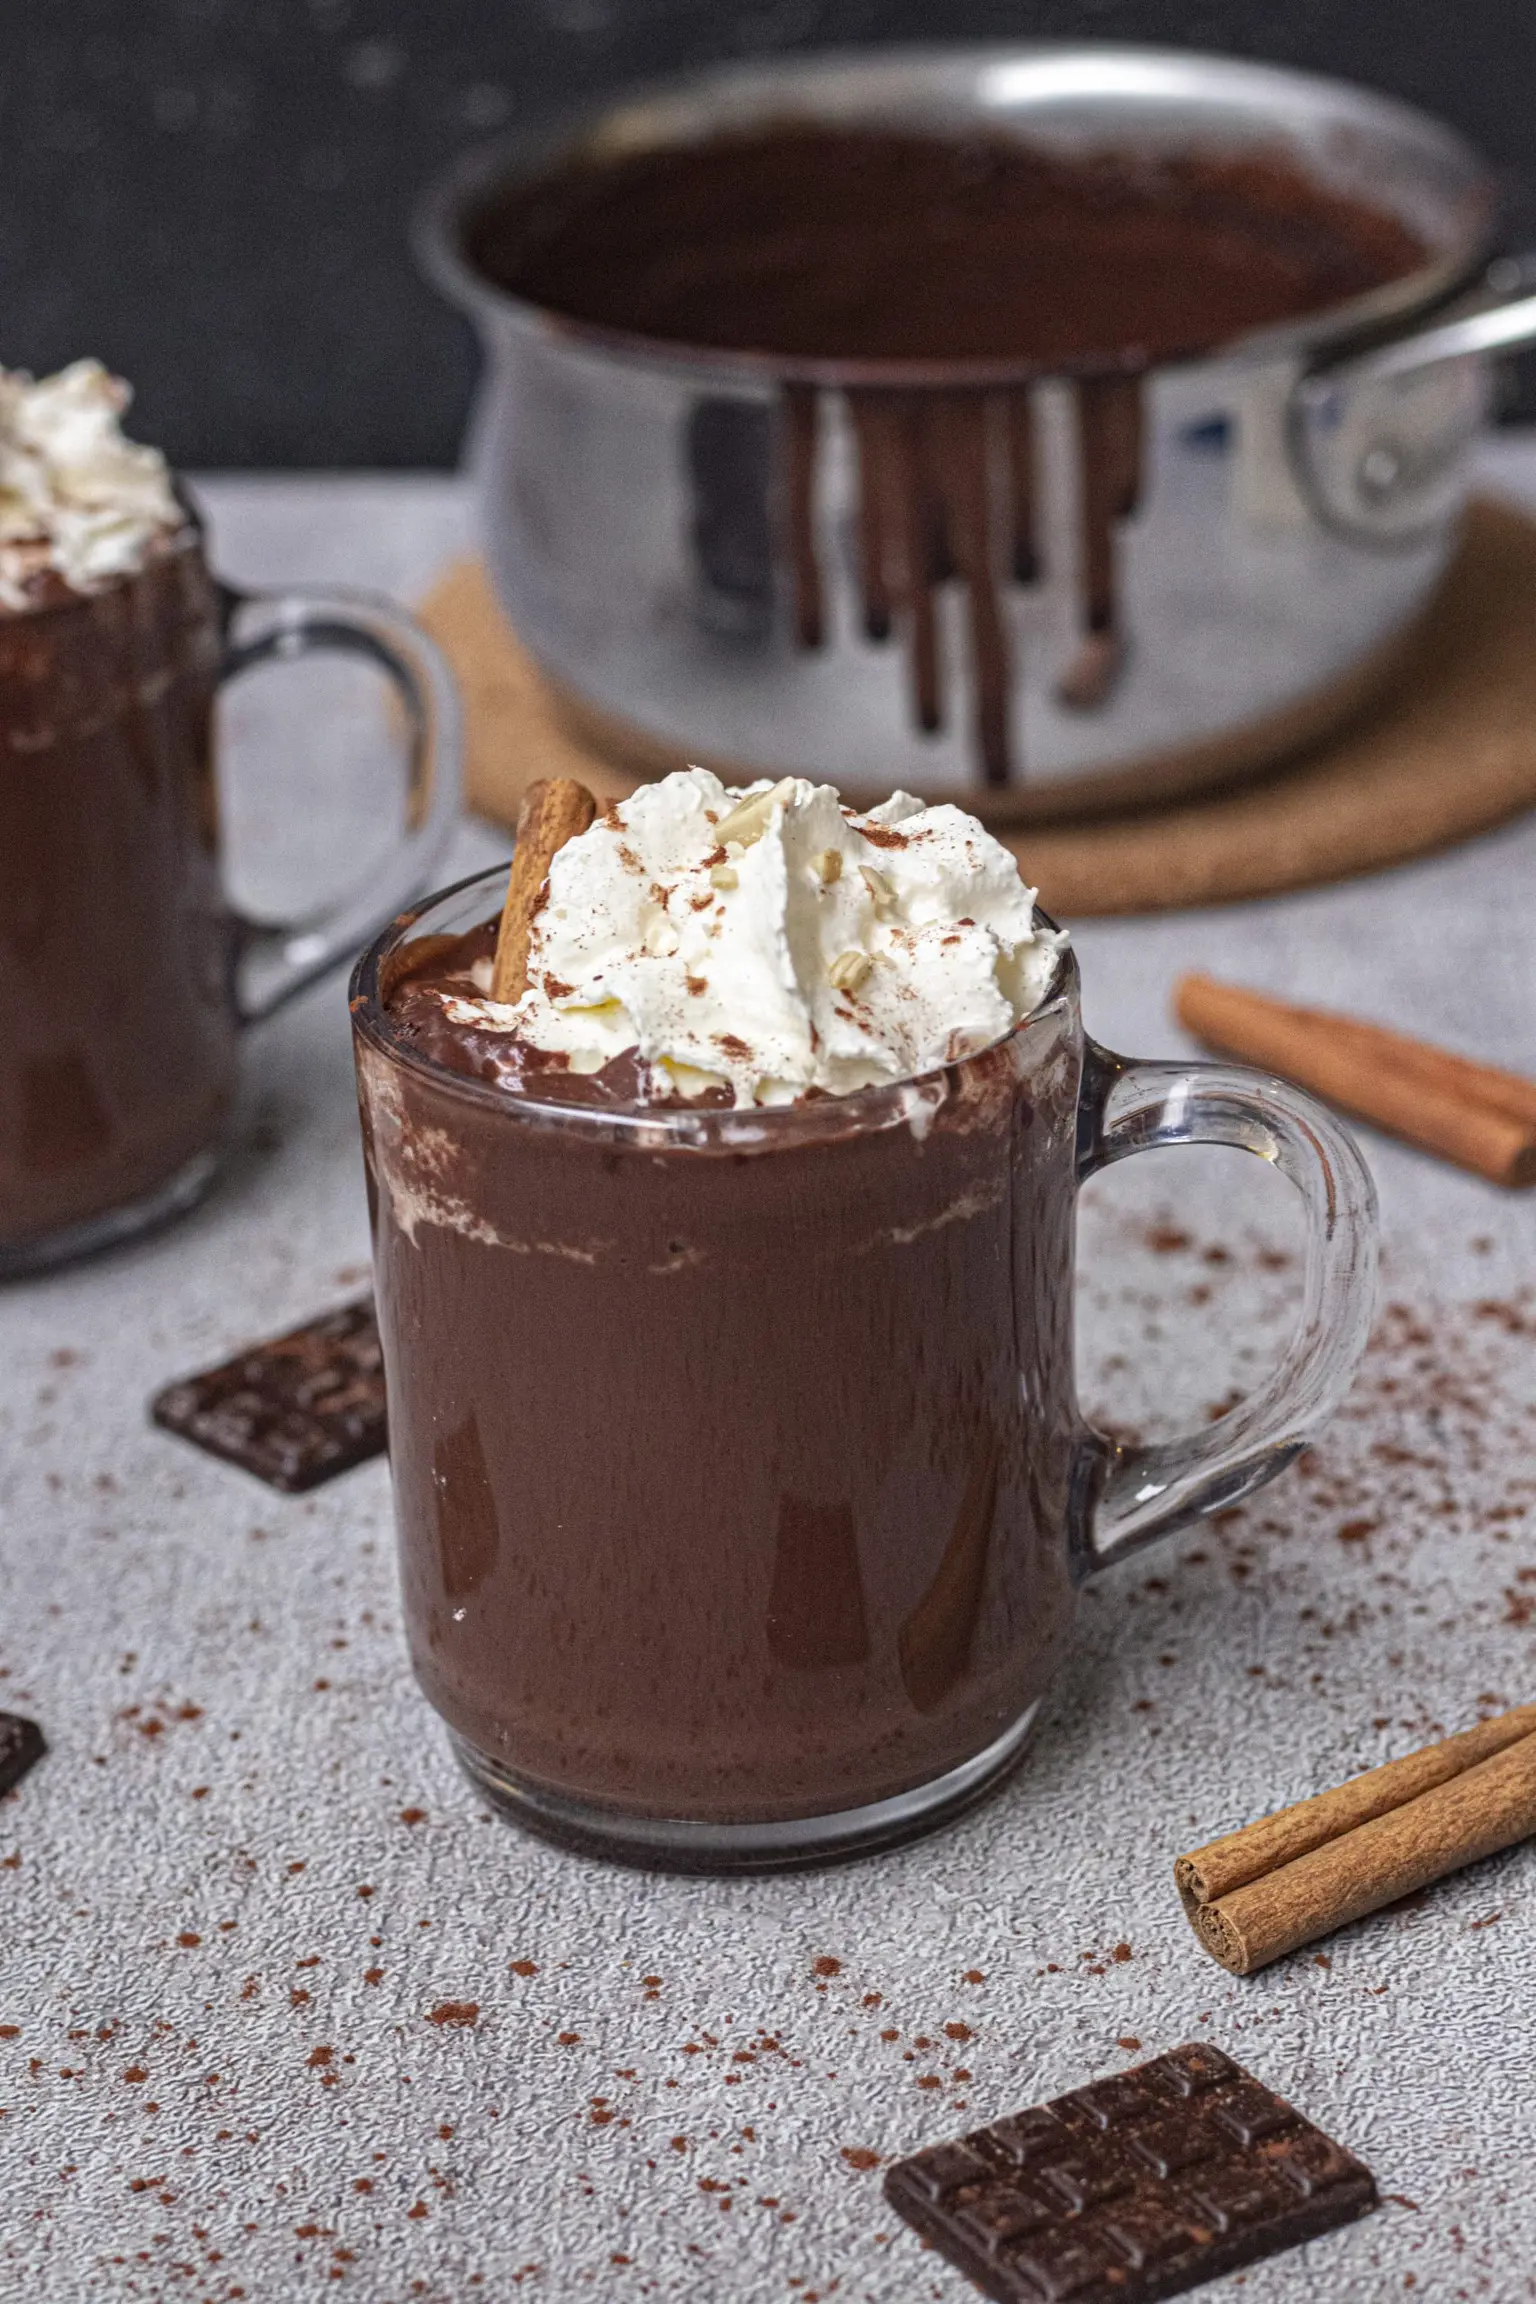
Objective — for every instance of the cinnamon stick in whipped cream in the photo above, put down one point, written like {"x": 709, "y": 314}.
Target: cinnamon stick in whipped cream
{"x": 1473, "y": 1114}
{"x": 553, "y": 811}
{"x": 1257, "y": 1894}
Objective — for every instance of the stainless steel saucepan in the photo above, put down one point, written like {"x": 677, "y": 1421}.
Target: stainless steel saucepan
{"x": 1300, "y": 488}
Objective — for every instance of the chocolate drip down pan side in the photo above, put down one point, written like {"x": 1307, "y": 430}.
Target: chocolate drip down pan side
{"x": 1030, "y": 580}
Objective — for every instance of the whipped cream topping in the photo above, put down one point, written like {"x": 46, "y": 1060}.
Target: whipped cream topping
{"x": 77, "y": 500}
{"x": 775, "y": 941}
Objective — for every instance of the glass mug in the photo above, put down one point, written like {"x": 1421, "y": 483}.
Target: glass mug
{"x": 126, "y": 975}
{"x": 741, "y": 1487}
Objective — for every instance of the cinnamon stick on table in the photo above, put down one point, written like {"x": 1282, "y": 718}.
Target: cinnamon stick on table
{"x": 552, "y": 812}
{"x": 1469, "y": 1113}
{"x": 1292, "y": 1877}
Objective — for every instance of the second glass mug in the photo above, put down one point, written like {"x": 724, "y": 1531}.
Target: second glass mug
{"x": 741, "y": 1486}
{"x": 126, "y": 973}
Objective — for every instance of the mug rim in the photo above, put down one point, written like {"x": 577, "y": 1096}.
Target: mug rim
{"x": 914, "y": 1101}
{"x": 528, "y": 151}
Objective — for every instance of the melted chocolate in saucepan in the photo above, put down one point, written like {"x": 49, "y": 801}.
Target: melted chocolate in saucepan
{"x": 865, "y": 248}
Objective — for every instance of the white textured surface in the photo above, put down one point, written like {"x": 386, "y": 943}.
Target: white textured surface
{"x": 235, "y": 1737}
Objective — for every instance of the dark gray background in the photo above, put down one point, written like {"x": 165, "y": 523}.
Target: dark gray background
{"x": 213, "y": 194}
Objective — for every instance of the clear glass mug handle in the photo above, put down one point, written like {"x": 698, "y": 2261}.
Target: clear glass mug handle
{"x": 1133, "y": 1495}
{"x": 275, "y": 962}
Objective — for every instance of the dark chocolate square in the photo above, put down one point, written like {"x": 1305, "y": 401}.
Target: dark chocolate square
{"x": 1189, "y": 2070}
{"x": 1250, "y": 2112}
{"x": 1311, "y": 2161}
{"x": 1140, "y": 2186}
{"x": 1111, "y": 2103}
{"x": 1147, "y": 2233}
{"x": 1085, "y": 2178}
{"x": 1003, "y": 2213}
{"x": 1030, "y": 2137}
{"x": 21, "y": 1748}
{"x": 1167, "y": 2145}
{"x": 294, "y": 1411}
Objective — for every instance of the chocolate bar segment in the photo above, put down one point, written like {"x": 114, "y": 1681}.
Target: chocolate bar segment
{"x": 294, "y": 1411}
{"x": 1139, "y": 2186}
{"x": 21, "y": 1748}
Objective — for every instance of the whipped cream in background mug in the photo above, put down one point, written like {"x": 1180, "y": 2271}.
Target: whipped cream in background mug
{"x": 78, "y": 499}
{"x": 725, "y": 1286}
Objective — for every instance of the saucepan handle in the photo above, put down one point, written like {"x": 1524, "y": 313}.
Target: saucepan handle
{"x": 1498, "y": 315}
{"x": 276, "y": 960}
{"x": 1132, "y": 1495}
{"x": 1377, "y": 432}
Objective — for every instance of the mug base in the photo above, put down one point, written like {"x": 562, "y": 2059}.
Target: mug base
{"x": 113, "y": 1226}
{"x": 684, "y": 1844}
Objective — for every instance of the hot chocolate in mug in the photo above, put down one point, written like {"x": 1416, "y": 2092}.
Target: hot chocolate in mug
{"x": 742, "y": 1488}
{"x": 127, "y": 974}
